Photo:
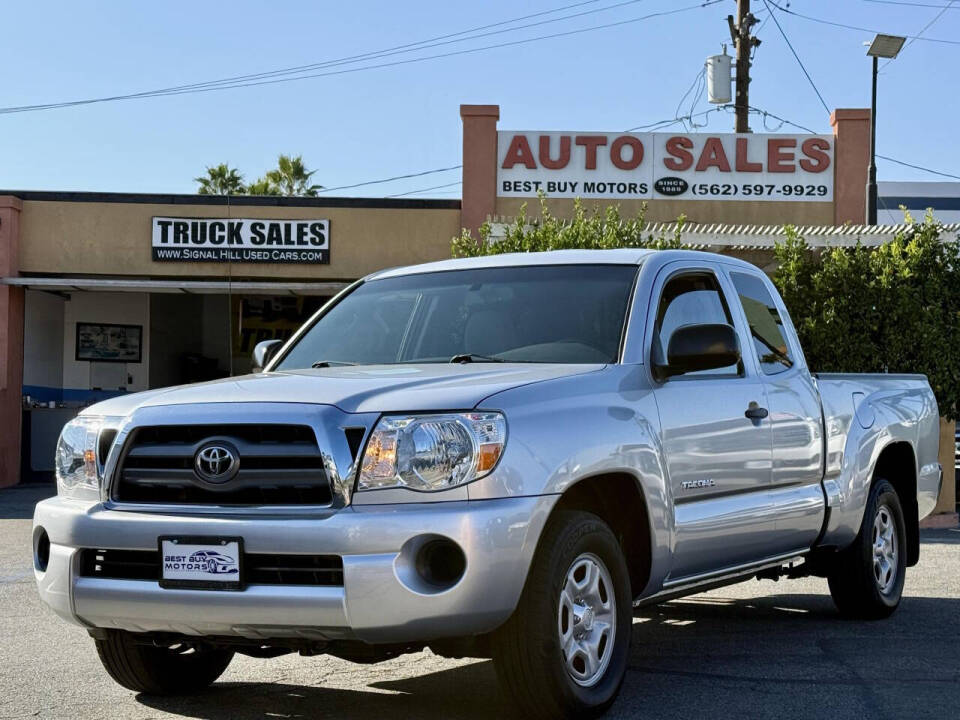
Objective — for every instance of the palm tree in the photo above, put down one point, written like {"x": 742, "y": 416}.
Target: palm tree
{"x": 292, "y": 178}
{"x": 221, "y": 180}
{"x": 262, "y": 186}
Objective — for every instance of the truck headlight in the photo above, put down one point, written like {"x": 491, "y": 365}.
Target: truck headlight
{"x": 78, "y": 457}
{"x": 432, "y": 452}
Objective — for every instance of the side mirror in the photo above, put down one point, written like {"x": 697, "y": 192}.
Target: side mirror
{"x": 264, "y": 352}
{"x": 700, "y": 347}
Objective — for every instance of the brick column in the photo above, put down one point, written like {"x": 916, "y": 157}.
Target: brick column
{"x": 852, "y": 131}
{"x": 479, "y": 165}
{"x": 11, "y": 342}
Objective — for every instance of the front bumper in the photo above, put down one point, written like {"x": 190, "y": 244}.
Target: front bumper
{"x": 378, "y": 602}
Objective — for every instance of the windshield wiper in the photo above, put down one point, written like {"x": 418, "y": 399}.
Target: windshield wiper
{"x": 474, "y": 357}
{"x": 331, "y": 363}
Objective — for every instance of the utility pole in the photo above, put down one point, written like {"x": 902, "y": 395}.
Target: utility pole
{"x": 744, "y": 43}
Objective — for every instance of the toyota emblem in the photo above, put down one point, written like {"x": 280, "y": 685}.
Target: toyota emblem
{"x": 216, "y": 462}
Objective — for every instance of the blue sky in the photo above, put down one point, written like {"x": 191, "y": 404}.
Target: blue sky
{"x": 384, "y": 122}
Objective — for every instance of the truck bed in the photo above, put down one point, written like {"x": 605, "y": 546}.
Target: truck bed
{"x": 863, "y": 413}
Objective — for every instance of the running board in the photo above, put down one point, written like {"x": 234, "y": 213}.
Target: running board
{"x": 712, "y": 580}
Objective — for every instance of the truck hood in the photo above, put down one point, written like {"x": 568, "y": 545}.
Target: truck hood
{"x": 367, "y": 388}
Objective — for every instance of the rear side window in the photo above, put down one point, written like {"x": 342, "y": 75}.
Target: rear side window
{"x": 766, "y": 325}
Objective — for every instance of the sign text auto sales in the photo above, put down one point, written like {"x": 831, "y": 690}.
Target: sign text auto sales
{"x": 698, "y": 166}
{"x": 244, "y": 240}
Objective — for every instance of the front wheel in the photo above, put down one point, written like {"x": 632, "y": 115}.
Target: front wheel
{"x": 173, "y": 670}
{"x": 564, "y": 651}
{"x": 867, "y": 580}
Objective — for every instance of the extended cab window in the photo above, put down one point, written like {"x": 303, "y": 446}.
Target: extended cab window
{"x": 690, "y": 299}
{"x": 766, "y": 325}
{"x": 544, "y": 314}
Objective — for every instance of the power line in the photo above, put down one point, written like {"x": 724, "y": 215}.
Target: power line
{"x": 695, "y": 83}
{"x": 859, "y": 28}
{"x": 391, "y": 179}
{"x": 662, "y": 124}
{"x": 925, "y": 28}
{"x": 949, "y": 6}
{"x": 427, "y": 189}
{"x": 211, "y": 85}
{"x": 379, "y": 53}
{"x": 799, "y": 61}
{"x": 918, "y": 167}
{"x": 882, "y": 157}
{"x": 350, "y": 59}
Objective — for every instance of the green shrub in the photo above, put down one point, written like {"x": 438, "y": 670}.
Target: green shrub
{"x": 892, "y": 308}
{"x": 598, "y": 229}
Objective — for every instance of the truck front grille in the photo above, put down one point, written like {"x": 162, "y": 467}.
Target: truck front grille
{"x": 278, "y": 465}
{"x": 258, "y": 568}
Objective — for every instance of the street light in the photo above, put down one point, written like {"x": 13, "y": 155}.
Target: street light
{"x": 883, "y": 46}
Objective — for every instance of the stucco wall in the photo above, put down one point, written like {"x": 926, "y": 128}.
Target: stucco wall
{"x": 112, "y": 238}
{"x": 702, "y": 211}
{"x": 43, "y": 340}
{"x": 107, "y": 308}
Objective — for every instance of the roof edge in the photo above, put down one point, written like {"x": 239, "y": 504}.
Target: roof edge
{"x": 233, "y": 200}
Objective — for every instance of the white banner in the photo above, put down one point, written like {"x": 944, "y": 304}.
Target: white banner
{"x": 254, "y": 240}
{"x": 796, "y": 168}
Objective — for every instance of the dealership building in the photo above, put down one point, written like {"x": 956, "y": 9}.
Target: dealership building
{"x": 107, "y": 293}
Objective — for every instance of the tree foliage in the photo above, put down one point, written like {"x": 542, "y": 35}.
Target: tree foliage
{"x": 220, "y": 180}
{"x": 290, "y": 178}
{"x": 261, "y": 186}
{"x": 596, "y": 229}
{"x": 893, "y": 308}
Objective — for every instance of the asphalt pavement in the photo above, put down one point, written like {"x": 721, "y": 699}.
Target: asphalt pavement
{"x": 755, "y": 650}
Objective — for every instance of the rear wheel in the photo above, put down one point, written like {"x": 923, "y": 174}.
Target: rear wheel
{"x": 564, "y": 651}
{"x": 867, "y": 580}
{"x": 174, "y": 670}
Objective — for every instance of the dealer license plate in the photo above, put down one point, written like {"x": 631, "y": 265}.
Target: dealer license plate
{"x": 204, "y": 563}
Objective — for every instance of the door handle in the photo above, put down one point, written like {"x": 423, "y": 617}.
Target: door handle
{"x": 755, "y": 412}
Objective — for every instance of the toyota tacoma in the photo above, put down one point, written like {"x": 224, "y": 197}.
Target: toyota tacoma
{"x": 493, "y": 457}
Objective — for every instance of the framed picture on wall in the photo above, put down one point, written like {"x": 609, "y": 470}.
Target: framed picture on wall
{"x": 98, "y": 342}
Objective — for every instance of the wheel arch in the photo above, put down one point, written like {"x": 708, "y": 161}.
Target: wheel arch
{"x": 897, "y": 464}
{"x": 618, "y": 499}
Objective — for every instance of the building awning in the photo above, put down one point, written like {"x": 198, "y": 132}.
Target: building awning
{"x": 200, "y": 287}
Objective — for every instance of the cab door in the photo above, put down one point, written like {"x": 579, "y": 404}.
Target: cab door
{"x": 796, "y": 424}
{"x": 715, "y": 436}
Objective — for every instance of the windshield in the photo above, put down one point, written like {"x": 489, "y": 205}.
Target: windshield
{"x": 536, "y": 314}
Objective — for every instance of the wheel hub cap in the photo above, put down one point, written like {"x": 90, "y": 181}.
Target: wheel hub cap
{"x": 586, "y": 620}
{"x": 885, "y": 549}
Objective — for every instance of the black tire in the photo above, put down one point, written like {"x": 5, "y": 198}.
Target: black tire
{"x": 856, "y": 585}
{"x": 527, "y": 649}
{"x": 159, "y": 670}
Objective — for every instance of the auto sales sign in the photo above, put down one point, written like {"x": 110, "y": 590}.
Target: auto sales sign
{"x": 244, "y": 240}
{"x": 795, "y": 168}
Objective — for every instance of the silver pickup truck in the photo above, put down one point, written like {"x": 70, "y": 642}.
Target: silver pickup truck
{"x": 495, "y": 457}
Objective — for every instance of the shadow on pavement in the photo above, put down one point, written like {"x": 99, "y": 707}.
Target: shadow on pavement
{"x": 16, "y": 503}
{"x": 769, "y": 657}
{"x": 468, "y": 692}
{"x": 943, "y": 536}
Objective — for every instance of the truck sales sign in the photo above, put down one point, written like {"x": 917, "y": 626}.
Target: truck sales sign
{"x": 793, "y": 168}
{"x": 243, "y": 240}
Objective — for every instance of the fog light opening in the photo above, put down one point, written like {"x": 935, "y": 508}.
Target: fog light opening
{"x": 441, "y": 563}
{"x": 41, "y": 550}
